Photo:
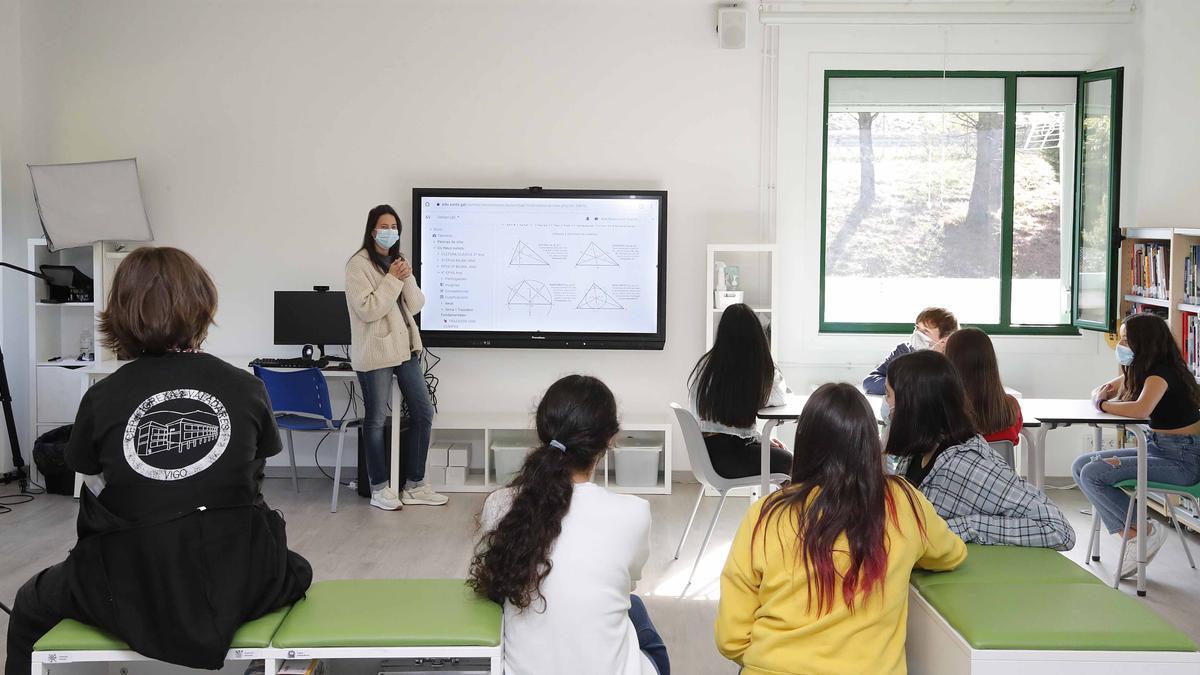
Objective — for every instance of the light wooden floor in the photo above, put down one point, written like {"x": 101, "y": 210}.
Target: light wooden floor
{"x": 359, "y": 541}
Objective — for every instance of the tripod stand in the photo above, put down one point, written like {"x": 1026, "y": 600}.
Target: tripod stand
{"x": 14, "y": 443}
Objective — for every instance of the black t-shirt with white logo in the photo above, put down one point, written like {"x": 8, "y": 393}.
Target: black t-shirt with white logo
{"x": 172, "y": 433}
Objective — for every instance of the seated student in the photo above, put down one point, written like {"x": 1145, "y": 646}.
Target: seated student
{"x": 997, "y": 415}
{"x": 1154, "y": 383}
{"x": 817, "y": 576}
{"x": 178, "y": 549}
{"x": 982, "y": 499}
{"x": 563, "y": 554}
{"x": 728, "y": 386}
{"x": 932, "y": 327}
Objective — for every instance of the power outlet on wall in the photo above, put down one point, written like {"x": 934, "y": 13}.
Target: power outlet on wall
{"x": 1107, "y": 443}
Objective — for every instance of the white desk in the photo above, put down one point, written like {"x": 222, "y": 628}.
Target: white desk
{"x": 99, "y": 371}
{"x": 1054, "y": 413}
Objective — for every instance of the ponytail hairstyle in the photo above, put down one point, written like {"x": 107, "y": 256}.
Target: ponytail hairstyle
{"x": 838, "y": 487}
{"x": 576, "y": 422}
{"x": 1153, "y": 346}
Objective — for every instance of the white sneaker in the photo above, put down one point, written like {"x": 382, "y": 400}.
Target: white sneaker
{"x": 1154, "y": 543}
{"x": 422, "y": 495}
{"x": 386, "y": 499}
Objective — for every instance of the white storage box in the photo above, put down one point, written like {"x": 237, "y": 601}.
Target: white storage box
{"x": 637, "y": 466}
{"x": 436, "y": 475}
{"x": 723, "y": 299}
{"x": 456, "y": 475}
{"x": 439, "y": 455}
{"x": 508, "y": 460}
{"x": 460, "y": 455}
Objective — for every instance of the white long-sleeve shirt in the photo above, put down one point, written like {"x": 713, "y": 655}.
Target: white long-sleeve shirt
{"x": 583, "y": 628}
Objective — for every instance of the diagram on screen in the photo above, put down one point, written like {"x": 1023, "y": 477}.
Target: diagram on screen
{"x": 530, "y": 295}
{"x": 597, "y": 298}
{"x": 594, "y": 256}
{"x": 524, "y": 255}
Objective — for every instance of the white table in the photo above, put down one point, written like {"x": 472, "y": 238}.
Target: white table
{"x": 99, "y": 371}
{"x": 1054, "y": 413}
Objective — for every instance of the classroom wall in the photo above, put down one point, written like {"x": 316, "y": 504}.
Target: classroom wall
{"x": 265, "y": 130}
{"x": 1169, "y": 174}
{"x": 13, "y": 331}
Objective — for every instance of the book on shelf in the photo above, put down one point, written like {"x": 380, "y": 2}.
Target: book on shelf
{"x": 1191, "y": 327}
{"x": 1148, "y": 270}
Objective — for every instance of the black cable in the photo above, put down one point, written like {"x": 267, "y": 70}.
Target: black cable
{"x": 342, "y": 420}
{"x": 5, "y": 608}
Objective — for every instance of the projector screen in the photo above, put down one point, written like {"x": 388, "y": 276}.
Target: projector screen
{"x": 541, "y": 268}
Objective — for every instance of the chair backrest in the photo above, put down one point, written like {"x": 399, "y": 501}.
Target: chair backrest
{"x": 1005, "y": 449}
{"x": 697, "y": 450}
{"x": 297, "y": 392}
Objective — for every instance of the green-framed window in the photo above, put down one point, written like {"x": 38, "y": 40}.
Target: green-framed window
{"x": 962, "y": 189}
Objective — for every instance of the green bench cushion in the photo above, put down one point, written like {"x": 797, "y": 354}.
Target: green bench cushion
{"x": 1131, "y": 484}
{"x": 1004, "y": 564}
{"x": 391, "y": 613}
{"x": 71, "y": 636}
{"x": 1040, "y": 616}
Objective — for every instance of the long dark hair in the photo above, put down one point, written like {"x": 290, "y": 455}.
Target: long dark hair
{"x": 971, "y": 353}
{"x": 931, "y": 408}
{"x": 732, "y": 381}
{"x": 368, "y": 242}
{"x": 512, "y": 560}
{"x": 839, "y": 487}
{"x": 1153, "y": 346}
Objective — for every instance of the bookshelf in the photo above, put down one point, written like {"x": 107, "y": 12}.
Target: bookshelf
{"x": 1179, "y": 301}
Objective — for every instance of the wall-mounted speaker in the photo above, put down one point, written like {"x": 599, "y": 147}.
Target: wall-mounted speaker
{"x": 732, "y": 25}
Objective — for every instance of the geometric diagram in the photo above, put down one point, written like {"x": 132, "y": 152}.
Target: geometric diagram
{"x": 529, "y": 294}
{"x": 523, "y": 255}
{"x": 596, "y": 298}
{"x": 594, "y": 256}
{"x": 182, "y": 433}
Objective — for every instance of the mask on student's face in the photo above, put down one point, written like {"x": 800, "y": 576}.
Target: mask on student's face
{"x": 387, "y": 238}
{"x": 920, "y": 341}
{"x": 1124, "y": 355}
{"x": 885, "y": 412}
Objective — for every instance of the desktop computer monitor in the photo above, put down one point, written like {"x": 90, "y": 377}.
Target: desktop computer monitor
{"x": 311, "y": 318}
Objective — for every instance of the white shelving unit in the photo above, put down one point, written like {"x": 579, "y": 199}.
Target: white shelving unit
{"x": 758, "y": 275}
{"x": 481, "y": 431}
{"x": 56, "y": 333}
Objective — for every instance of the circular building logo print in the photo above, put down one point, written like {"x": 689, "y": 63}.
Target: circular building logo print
{"x": 175, "y": 434}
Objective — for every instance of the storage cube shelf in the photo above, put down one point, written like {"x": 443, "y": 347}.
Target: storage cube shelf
{"x": 56, "y": 331}
{"x": 758, "y": 277}
{"x": 496, "y": 446}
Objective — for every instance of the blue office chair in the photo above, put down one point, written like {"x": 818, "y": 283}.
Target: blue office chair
{"x": 300, "y": 399}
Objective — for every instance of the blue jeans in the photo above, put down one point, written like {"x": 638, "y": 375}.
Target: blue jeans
{"x": 1170, "y": 458}
{"x": 649, "y": 641}
{"x": 377, "y": 394}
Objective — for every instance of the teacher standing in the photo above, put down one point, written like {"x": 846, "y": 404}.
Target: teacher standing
{"x": 383, "y": 296}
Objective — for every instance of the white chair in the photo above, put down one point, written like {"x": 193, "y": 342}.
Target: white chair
{"x": 706, "y": 475}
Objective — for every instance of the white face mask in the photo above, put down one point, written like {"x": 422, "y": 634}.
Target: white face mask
{"x": 920, "y": 341}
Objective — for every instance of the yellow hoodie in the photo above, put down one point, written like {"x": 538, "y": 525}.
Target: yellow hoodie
{"x": 765, "y": 625}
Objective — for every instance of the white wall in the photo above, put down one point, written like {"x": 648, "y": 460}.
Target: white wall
{"x": 14, "y": 336}
{"x": 1169, "y": 173}
{"x": 265, "y": 131}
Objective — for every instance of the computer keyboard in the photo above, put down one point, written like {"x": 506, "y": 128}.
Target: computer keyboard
{"x": 290, "y": 363}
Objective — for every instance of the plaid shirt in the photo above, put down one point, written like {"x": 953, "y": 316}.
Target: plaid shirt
{"x": 984, "y": 501}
